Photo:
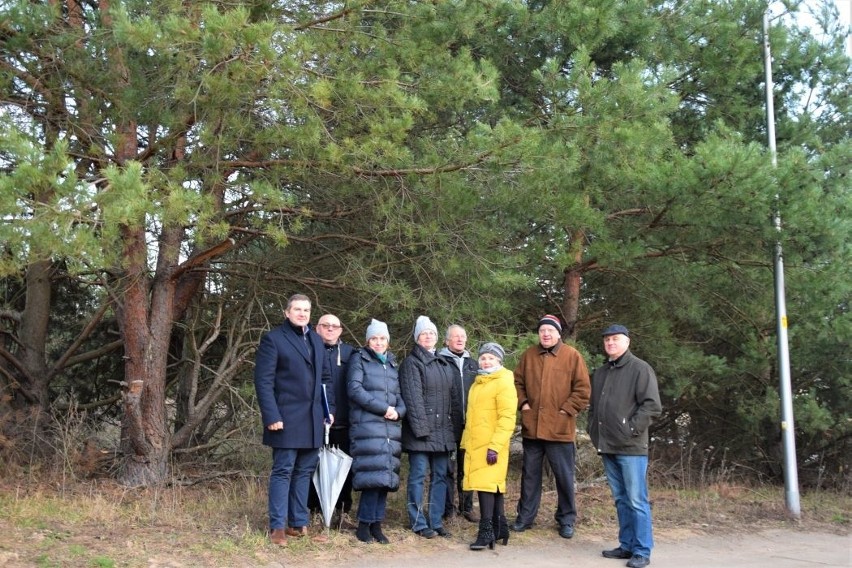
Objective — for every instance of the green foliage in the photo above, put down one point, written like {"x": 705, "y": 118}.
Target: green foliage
{"x": 459, "y": 159}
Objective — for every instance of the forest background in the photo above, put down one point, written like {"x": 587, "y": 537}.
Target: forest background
{"x": 170, "y": 172}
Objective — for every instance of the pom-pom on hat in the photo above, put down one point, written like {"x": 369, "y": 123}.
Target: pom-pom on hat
{"x": 377, "y": 328}
{"x": 550, "y": 320}
{"x": 494, "y": 349}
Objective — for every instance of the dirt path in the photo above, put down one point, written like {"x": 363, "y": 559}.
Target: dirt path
{"x": 771, "y": 549}
{"x": 675, "y": 548}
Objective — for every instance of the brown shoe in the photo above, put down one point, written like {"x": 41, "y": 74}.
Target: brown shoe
{"x": 278, "y": 536}
{"x": 303, "y": 532}
{"x": 297, "y": 532}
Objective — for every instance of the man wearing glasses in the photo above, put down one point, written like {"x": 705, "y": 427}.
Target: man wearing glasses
{"x": 337, "y": 355}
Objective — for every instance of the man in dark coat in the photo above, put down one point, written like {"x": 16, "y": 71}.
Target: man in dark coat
{"x": 455, "y": 351}
{"x": 625, "y": 400}
{"x": 337, "y": 354}
{"x": 289, "y": 375}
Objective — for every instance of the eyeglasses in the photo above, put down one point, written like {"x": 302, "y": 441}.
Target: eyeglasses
{"x": 329, "y": 325}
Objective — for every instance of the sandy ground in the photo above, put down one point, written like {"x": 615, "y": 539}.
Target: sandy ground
{"x": 781, "y": 548}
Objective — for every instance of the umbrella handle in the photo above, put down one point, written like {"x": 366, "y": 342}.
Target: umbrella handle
{"x": 327, "y": 429}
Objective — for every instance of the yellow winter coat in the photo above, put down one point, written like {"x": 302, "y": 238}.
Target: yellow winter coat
{"x": 492, "y": 407}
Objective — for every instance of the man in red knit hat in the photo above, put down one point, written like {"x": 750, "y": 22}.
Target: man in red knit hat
{"x": 553, "y": 387}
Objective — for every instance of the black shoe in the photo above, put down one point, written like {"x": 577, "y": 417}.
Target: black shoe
{"x": 441, "y": 531}
{"x": 377, "y": 534}
{"x": 638, "y": 561}
{"x": 501, "y": 529}
{"x": 427, "y": 533}
{"x": 617, "y": 553}
{"x": 363, "y": 532}
{"x": 518, "y": 526}
{"x": 485, "y": 536}
{"x": 566, "y": 531}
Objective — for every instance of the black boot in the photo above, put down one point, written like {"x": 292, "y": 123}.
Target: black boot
{"x": 363, "y": 532}
{"x": 376, "y": 531}
{"x": 466, "y": 506}
{"x": 501, "y": 529}
{"x": 485, "y": 536}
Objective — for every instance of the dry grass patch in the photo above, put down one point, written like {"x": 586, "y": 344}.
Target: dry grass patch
{"x": 223, "y": 523}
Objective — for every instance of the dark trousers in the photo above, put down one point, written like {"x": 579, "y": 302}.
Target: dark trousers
{"x": 336, "y": 437}
{"x": 560, "y": 456}
{"x": 455, "y": 478}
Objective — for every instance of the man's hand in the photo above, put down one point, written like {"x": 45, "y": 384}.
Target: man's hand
{"x": 276, "y": 426}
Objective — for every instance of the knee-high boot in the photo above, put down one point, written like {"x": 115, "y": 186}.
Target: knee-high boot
{"x": 501, "y": 528}
{"x": 485, "y": 536}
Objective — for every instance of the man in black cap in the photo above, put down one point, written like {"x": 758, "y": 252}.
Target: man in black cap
{"x": 552, "y": 381}
{"x": 625, "y": 399}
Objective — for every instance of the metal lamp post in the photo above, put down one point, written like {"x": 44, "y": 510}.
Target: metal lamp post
{"x": 791, "y": 475}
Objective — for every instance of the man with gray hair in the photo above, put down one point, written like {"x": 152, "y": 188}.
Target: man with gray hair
{"x": 454, "y": 351}
{"x": 625, "y": 400}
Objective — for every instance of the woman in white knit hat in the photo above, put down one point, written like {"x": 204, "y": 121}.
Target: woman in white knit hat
{"x": 433, "y": 400}
{"x": 376, "y": 409}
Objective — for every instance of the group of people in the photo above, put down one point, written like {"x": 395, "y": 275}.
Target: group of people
{"x": 443, "y": 407}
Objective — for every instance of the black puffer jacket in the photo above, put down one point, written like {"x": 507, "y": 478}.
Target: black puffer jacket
{"x": 432, "y": 397}
{"x": 376, "y": 443}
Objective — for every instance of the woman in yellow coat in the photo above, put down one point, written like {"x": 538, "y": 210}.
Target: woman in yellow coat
{"x": 491, "y": 416}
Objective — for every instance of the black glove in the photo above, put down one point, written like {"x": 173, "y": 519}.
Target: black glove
{"x": 491, "y": 457}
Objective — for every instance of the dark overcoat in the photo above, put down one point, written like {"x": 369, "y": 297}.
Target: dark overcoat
{"x": 289, "y": 373}
{"x": 338, "y": 361}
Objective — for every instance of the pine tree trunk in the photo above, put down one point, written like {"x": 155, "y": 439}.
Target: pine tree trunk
{"x": 571, "y": 283}
{"x": 34, "y": 374}
{"x": 571, "y": 302}
{"x": 147, "y": 319}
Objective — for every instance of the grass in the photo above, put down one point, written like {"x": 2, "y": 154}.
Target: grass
{"x": 102, "y": 524}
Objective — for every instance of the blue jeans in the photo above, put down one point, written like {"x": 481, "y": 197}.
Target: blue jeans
{"x": 438, "y": 464}
{"x": 626, "y": 477}
{"x": 288, "y": 486}
{"x": 371, "y": 506}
